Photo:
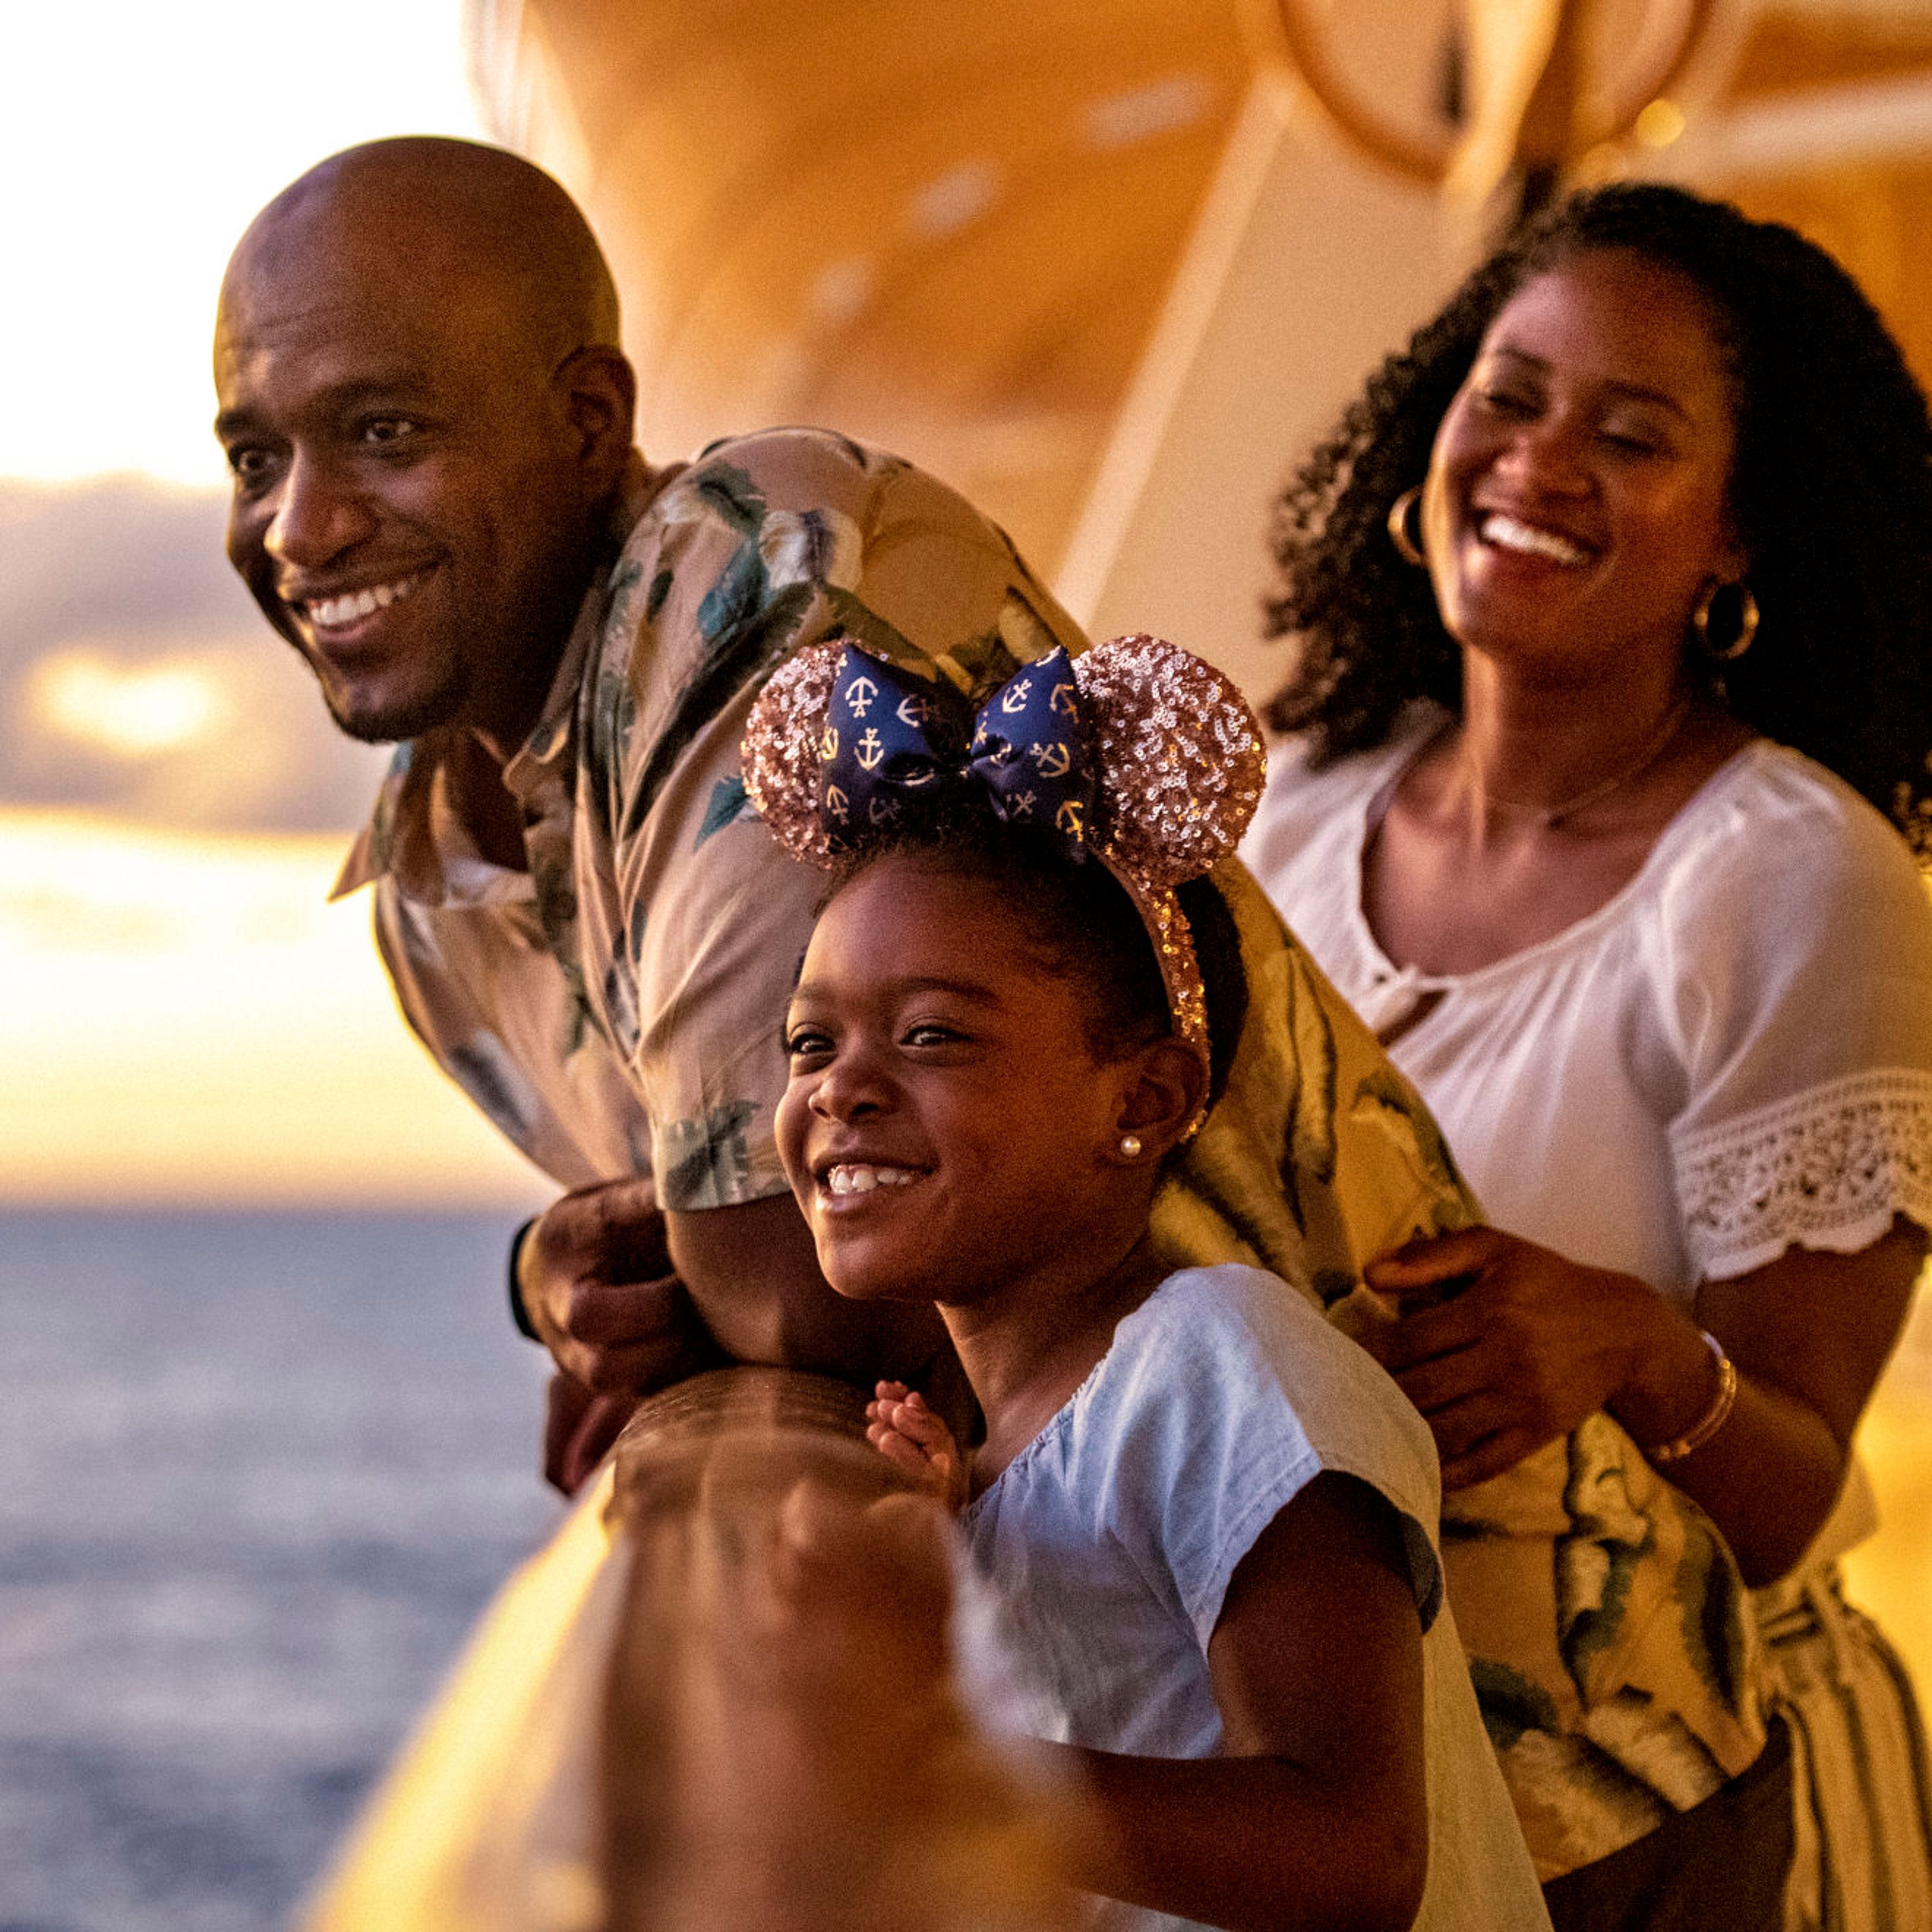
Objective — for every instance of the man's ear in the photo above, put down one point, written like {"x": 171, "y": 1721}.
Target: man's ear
{"x": 1167, "y": 1083}
{"x": 599, "y": 390}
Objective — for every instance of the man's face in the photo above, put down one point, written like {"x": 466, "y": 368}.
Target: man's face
{"x": 409, "y": 507}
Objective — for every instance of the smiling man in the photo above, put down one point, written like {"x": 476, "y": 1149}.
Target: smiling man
{"x": 436, "y": 503}
{"x": 427, "y": 420}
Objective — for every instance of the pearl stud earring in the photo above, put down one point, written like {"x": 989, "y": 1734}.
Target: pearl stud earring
{"x": 1130, "y": 1146}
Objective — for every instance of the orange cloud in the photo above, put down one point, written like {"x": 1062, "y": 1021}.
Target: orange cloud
{"x": 186, "y": 1020}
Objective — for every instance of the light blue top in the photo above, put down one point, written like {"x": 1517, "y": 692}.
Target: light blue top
{"x": 1112, "y": 1537}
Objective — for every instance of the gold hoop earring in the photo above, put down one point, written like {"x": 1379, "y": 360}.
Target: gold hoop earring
{"x": 1408, "y": 548}
{"x": 1747, "y": 621}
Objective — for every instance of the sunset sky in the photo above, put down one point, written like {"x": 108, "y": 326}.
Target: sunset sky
{"x": 183, "y": 1017}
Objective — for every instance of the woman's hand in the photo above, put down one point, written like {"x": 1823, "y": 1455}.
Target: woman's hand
{"x": 1504, "y": 1345}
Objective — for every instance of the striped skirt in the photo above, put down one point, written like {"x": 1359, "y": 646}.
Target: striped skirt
{"x": 1862, "y": 1859}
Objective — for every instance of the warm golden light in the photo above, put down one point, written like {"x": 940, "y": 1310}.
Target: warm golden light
{"x": 139, "y": 139}
{"x": 1659, "y": 124}
{"x": 188, "y": 1020}
{"x": 133, "y": 713}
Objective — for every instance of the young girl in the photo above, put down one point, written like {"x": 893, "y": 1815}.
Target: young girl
{"x": 1209, "y": 1513}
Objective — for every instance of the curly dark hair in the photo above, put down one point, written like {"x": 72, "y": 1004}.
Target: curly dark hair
{"x": 1831, "y": 491}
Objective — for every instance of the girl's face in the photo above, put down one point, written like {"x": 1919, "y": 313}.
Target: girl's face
{"x": 1577, "y": 499}
{"x": 947, "y": 1130}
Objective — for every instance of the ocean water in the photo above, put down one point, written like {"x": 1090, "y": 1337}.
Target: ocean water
{"x": 258, "y": 1474}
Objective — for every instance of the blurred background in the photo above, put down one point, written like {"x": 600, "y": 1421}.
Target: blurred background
{"x": 266, "y": 1441}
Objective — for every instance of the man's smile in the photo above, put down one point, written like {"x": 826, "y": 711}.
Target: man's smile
{"x": 342, "y": 610}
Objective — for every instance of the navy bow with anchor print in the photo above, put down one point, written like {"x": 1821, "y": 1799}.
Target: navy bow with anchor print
{"x": 890, "y": 738}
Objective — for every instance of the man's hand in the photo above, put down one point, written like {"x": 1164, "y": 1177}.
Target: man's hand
{"x": 579, "y": 1428}
{"x": 595, "y": 1278}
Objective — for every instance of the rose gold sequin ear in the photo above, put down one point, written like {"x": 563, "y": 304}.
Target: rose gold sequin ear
{"x": 780, "y": 756}
{"x": 1177, "y": 754}
{"x": 1181, "y": 761}
{"x": 1180, "y": 756}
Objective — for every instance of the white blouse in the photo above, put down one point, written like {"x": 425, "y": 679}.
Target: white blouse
{"x": 1732, "y": 1056}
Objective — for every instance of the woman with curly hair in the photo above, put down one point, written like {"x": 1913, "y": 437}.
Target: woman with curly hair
{"x": 1613, "y": 601}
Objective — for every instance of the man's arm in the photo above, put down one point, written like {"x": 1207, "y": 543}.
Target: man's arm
{"x": 595, "y": 1280}
{"x": 753, "y": 1276}
{"x": 628, "y": 1299}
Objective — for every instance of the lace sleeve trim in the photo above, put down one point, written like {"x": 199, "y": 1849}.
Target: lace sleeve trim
{"x": 1827, "y": 1168}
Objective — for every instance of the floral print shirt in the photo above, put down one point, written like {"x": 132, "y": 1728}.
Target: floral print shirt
{"x": 615, "y": 1007}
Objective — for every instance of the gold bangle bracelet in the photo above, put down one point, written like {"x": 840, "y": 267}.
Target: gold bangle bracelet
{"x": 1713, "y": 1419}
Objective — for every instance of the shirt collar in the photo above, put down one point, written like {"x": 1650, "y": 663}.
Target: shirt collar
{"x": 399, "y": 838}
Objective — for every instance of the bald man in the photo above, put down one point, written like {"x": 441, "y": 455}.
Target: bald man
{"x": 436, "y": 501}
{"x": 428, "y": 419}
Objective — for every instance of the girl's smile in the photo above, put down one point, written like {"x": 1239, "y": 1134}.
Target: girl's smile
{"x": 843, "y": 1179}
{"x": 947, "y": 1128}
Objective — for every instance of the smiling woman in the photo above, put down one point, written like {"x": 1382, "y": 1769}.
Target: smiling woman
{"x": 1584, "y": 816}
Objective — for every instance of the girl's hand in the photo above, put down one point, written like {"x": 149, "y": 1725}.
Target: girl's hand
{"x": 1504, "y": 1346}
{"x": 901, "y": 1427}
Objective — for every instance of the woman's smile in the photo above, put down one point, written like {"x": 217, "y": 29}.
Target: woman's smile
{"x": 1578, "y": 495}
{"x": 1501, "y": 531}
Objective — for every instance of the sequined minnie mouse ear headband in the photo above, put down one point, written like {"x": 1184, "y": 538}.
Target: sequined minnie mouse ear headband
{"x": 1136, "y": 753}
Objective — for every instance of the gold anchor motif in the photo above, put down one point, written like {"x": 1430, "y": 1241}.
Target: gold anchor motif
{"x": 1071, "y": 819}
{"x": 1055, "y": 760}
{"x": 869, "y": 751}
{"x": 828, "y": 746}
{"x": 1062, "y": 699}
{"x": 859, "y": 696}
{"x": 914, "y": 711}
{"x": 837, "y": 803}
{"x": 1014, "y": 697}
{"x": 1021, "y": 805}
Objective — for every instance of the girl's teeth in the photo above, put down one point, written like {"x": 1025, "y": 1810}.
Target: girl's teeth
{"x": 1507, "y": 532}
{"x": 849, "y": 1178}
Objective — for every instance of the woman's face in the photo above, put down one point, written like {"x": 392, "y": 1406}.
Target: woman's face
{"x": 947, "y": 1129}
{"x": 1577, "y": 498}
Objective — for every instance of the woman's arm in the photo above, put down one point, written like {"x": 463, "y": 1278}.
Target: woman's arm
{"x": 1529, "y": 1343}
{"x": 1315, "y": 1814}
